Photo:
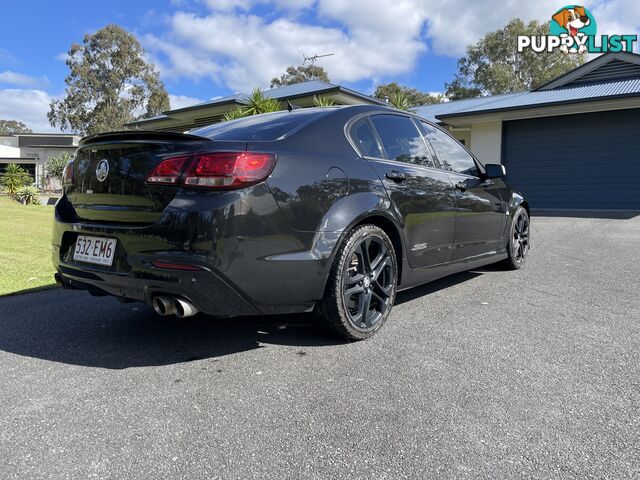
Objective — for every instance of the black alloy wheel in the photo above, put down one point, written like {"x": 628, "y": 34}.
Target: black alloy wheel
{"x": 368, "y": 283}
{"x": 519, "y": 239}
{"x": 362, "y": 284}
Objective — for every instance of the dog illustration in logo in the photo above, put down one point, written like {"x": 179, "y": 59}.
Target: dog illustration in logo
{"x": 573, "y": 20}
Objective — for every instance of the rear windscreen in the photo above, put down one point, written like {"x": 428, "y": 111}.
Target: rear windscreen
{"x": 266, "y": 127}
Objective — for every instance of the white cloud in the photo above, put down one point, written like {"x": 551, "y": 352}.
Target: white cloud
{"x": 179, "y": 61}
{"x": 453, "y": 25}
{"x": 248, "y": 51}
{"x": 371, "y": 39}
{"x": 228, "y": 5}
{"x": 181, "y": 101}
{"x": 14, "y": 78}
{"x": 617, "y": 17}
{"x": 27, "y": 106}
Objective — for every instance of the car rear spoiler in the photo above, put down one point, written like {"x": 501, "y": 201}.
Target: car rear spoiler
{"x": 141, "y": 135}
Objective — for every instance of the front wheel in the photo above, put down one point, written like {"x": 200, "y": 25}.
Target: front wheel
{"x": 362, "y": 284}
{"x": 519, "y": 239}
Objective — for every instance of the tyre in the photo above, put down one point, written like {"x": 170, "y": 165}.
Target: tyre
{"x": 362, "y": 284}
{"x": 519, "y": 240}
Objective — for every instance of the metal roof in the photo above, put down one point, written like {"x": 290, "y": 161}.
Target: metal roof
{"x": 612, "y": 75}
{"x": 310, "y": 87}
{"x": 430, "y": 112}
{"x": 577, "y": 94}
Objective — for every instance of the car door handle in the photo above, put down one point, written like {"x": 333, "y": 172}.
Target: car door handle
{"x": 396, "y": 176}
{"x": 461, "y": 186}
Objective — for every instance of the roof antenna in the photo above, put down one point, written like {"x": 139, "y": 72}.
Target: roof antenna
{"x": 312, "y": 59}
{"x": 292, "y": 107}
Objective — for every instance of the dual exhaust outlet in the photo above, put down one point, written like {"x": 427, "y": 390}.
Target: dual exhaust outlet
{"x": 179, "y": 307}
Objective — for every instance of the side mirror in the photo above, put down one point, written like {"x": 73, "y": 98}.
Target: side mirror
{"x": 495, "y": 170}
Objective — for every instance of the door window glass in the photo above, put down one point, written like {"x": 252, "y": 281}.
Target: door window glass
{"x": 451, "y": 154}
{"x": 402, "y": 140}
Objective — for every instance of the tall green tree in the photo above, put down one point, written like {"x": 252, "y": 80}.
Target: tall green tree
{"x": 300, "y": 74}
{"x": 494, "y": 66}
{"x": 405, "y": 96}
{"x": 109, "y": 84}
{"x": 13, "y": 126}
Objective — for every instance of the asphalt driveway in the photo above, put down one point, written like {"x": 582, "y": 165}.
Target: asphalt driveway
{"x": 487, "y": 374}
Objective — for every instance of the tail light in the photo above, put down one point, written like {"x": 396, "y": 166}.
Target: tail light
{"x": 223, "y": 170}
{"x": 167, "y": 172}
{"x": 67, "y": 174}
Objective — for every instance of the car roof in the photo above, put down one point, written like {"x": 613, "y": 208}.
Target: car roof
{"x": 278, "y": 125}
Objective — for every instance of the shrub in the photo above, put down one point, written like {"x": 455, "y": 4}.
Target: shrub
{"x": 256, "y": 104}
{"x": 323, "y": 101}
{"x": 13, "y": 178}
{"x": 28, "y": 195}
{"x": 55, "y": 165}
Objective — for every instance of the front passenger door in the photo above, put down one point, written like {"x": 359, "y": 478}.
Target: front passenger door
{"x": 422, "y": 194}
{"x": 480, "y": 210}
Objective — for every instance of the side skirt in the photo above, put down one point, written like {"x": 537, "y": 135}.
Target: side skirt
{"x": 412, "y": 277}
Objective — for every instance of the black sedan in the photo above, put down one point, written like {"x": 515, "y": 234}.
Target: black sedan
{"x": 331, "y": 210}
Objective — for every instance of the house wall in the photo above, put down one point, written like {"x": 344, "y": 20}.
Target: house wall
{"x": 9, "y": 152}
{"x": 486, "y": 141}
{"x": 41, "y": 155}
{"x": 462, "y": 135}
{"x": 8, "y": 140}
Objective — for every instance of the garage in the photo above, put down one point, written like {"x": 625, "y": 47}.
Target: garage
{"x": 570, "y": 144}
{"x": 584, "y": 161}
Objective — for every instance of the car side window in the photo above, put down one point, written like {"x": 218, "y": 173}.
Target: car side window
{"x": 365, "y": 140}
{"x": 451, "y": 154}
{"x": 401, "y": 140}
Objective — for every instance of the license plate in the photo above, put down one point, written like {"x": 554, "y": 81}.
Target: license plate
{"x": 95, "y": 250}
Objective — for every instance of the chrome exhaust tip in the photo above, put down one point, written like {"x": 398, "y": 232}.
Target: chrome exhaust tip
{"x": 163, "y": 305}
{"x": 184, "y": 308}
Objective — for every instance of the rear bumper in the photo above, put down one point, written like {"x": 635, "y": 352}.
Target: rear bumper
{"x": 250, "y": 262}
{"x": 211, "y": 294}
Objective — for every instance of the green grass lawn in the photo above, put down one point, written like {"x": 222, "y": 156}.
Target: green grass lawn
{"x": 25, "y": 246}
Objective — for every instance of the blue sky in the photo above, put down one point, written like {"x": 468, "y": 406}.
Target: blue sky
{"x": 209, "y": 48}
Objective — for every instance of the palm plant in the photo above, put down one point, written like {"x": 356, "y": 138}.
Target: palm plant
{"x": 13, "y": 178}
{"x": 233, "y": 114}
{"x": 323, "y": 101}
{"x": 400, "y": 101}
{"x": 257, "y": 103}
{"x": 28, "y": 195}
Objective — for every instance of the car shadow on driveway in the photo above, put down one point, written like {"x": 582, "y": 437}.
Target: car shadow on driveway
{"x": 75, "y": 328}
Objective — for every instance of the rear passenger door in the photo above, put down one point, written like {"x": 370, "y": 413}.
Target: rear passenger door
{"x": 421, "y": 193}
{"x": 480, "y": 209}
